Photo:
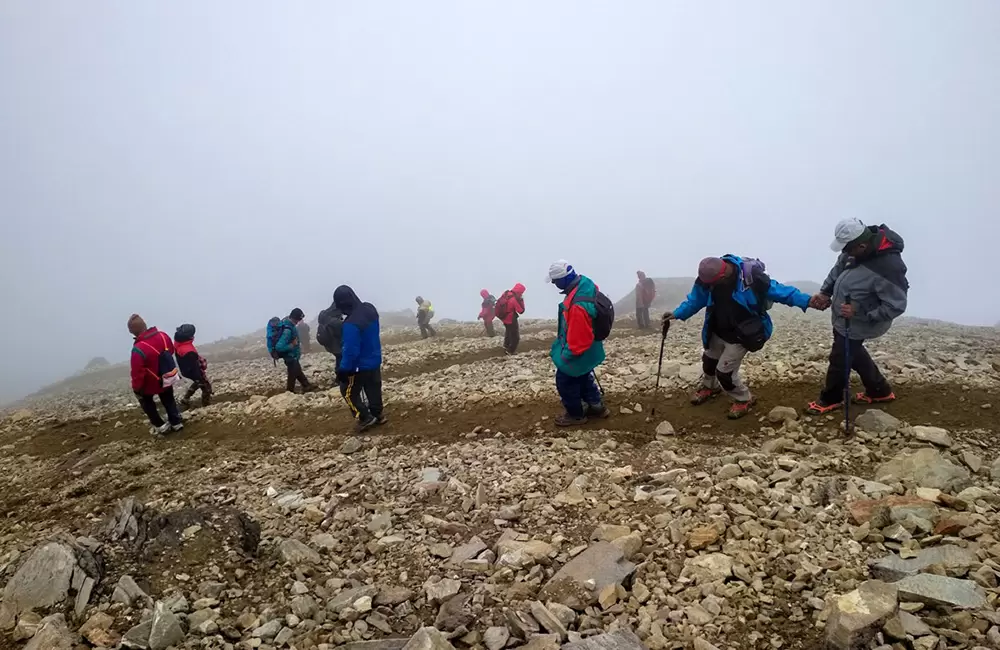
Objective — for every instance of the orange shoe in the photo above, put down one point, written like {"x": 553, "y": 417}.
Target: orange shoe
{"x": 702, "y": 395}
{"x": 864, "y": 398}
{"x": 820, "y": 407}
{"x": 739, "y": 409}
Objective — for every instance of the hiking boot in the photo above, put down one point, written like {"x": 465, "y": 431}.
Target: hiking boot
{"x": 702, "y": 395}
{"x": 600, "y": 411}
{"x": 567, "y": 420}
{"x": 381, "y": 419}
{"x": 364, "y": 425}
{"x": 819, "y": 407}
{"x": 177, "y": 427}
{"x": 865, "y": 398}
{"x": 160, "y": 430}
{"x": 739, "y": 409}
{"x": 311, "y": 388}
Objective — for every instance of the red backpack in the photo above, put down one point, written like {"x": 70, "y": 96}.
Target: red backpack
{"x": 502, "y": 308}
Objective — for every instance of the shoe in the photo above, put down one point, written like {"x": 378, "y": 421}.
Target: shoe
{"x": 864, "y": 398}
{"x": 311, "y": 388}
{"x": 367, "y": 424}
{"x": 739, "y": 409}
{"x": 160, "y": 430}
{"x": 819, "y": 407}
{"x": 567, "y": 420}
{"x": 380, "y": 420}
{"x": 702, "y": 395}
{"x": 177, "y": 427}
{"x": 601, "y": 411}
{"x": 185, "y": 404}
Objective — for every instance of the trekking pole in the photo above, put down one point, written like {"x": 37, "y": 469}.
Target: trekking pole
{"x": 598, "y": 381}
{"x": 847, "y": 363}
{"x": 659, "y": 367}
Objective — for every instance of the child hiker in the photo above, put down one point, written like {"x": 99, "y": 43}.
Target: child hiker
{"x": 192, "y": 366}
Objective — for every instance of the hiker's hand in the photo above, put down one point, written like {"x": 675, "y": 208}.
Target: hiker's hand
{"x": 820, "y": 302}
{"x": 667, "y": 317}
{"x": 848, "y": 311}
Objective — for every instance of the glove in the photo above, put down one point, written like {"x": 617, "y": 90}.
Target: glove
{"x": 343, "y": 376}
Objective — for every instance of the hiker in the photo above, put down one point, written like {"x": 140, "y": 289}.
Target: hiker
{"x": 192, "y": 365}
{"x": 359, "y": 372}
{"x": 508, "y": 309}
{"x": 329, "y": 332}
{"x": 154, "y": 373}
{"x": 576, "y": 352}
{"x": 425, "y": 312}
{"x": 871, "y": 273}
{"x": 283, "y": 343}
{"x": 737, "y": 293}
{"x": 305, "y": 341}
{"x": 645, "y": 293}
{"x": 488, "y": 312}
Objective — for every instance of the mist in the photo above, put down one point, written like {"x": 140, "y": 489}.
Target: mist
{"x": 221, "y": 163}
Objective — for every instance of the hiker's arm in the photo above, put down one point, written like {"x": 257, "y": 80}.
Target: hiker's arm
{"x": 787, "y": 295}
{"x": 519, "y": 305}
{"x": 138, "y": 368}
{"x": 694, "y": 303}
{"x": 831, "y": 278}
{"x": 285, "y": 341}
{"x": 351, "y": 336}
{"x": 892, "y": 301}
{"x": 579, "y": 330}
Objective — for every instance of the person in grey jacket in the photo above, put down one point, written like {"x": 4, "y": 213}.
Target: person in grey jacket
{"x": 868, "y": 286}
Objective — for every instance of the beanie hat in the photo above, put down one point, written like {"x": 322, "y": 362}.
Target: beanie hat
{"x": 484, "y": 293}
{"x": 136, "y": 325}
{"x": 847, "y": 231}
{"x": 711, "y": 270}
{"x": 559, "y": 270}
{"x": 184, "y": 333}
{"x": 297, "y": 314}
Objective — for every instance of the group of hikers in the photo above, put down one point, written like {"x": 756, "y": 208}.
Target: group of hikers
{"x": 866, "y": 289}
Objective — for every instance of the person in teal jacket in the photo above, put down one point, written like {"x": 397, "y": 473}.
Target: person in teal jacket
{"x": 575, "y": 352}
{"x": 289, "y": 350}
{"x": 736, "y": 294}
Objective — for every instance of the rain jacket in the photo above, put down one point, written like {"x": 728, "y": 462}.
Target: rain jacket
{"x": 876, "y": 283}
{"x": 288, "y": 346}
{"x": 488, "y": 311}
{"x": 362, "y": 348}
{"x": 514, "y": 300}
{"x": 146, "y": 359}
{"x": 575, "y": 351}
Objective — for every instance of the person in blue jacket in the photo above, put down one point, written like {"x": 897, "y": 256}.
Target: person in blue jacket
{"x": 288, "y": 349}
{"x": 360, "y": 371}
{"x": 736, "y": 294}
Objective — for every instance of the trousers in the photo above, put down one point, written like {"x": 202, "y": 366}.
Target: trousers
{"x": 361, "y": 387}
{"x": 642, "y": 318}
{"x": 511, "y": 336}
{"x": 295, "y": 374}
{"x": 169, "y": 404}
{"x": 876, "y": 385}
{"x": 720, "y": 365}
{"x": 574, "y": 392}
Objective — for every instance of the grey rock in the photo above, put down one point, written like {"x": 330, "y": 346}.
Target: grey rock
{"x": 350, "y": 446}
{"x": 521, "y": 624}
{"x": 708, "y": 568}
{"x": 955, "y": 559}
{"x": 454, "y": 613}
{"x": 137, "y": 637}
{"x": 83, "y": 596}
{"x": 42, "y": 582}
{"x": 941, "y": 590}
{"x": 702, "y": 644}
{"x": 877, "y": 421}
{"x": 380, "y": 644}
{"x": 283, "y": 637}
{"x": 200, "y": 616}
{"x": 665, "y": 429}
{"x": 927, "y": 468}
{"x": 52, "y": 635}
{"x": 348, "y": 597}
{"x": 128, "y": 593}
{"x": 577, "y": 584}
{"x": 496, "y": 638}
{"x": 729, "y": 471}
{"x": 166, "y": 629}
{"x": 428, "y": 638}
{"x": 467, "y": 551}
{"x": 780, "y": 414}
{"x": 934, "y": 435}
{"x": 293, "y": 551}
{"x": 542, "y": 642}
{"x": 995, "y": 470}
{"x": 392, "y": 596}
{"x": 304, "y": 606}
{"x": 268, "y": 630}
{"x": 859, "y": 615}
{"x": 442, "y": 590}
{"x": 548, "y": 620}
{"x": 617, "y": 640}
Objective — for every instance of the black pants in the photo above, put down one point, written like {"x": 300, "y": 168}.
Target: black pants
{"x": 861, "y": 362}
{"x": 361, "y": 387}
{"x": 642, "y": 318}
{"x": 295, "y": 374}
{"x": 425, "y": 328}
{"x": 488, "y": 324}
{"x": 511, "y": 336}
{"x": 169, "y": 403}
{"x": 206, "y": 391}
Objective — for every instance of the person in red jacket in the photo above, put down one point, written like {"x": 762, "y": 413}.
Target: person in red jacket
{"x": 147, "y": 381}
{"x": 508, "y": 308}
{"x": 488, "y": 312}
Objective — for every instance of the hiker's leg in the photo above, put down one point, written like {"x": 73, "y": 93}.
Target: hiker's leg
{"x": 710, "y": 362}
{"x": 355, "y": 398}
{"x": 515, "y": 335}
{"x": 192, "y": 389}
{"x": 170, "y": 404}
{"x": 373, "y": 391}
{"x": 290, "y": 379}
{"x": 876, "y": 385}
{"x": 206, "y": 391}
{"x": 570, "y": 393}
{"x": 727, "y": 372}
{"x": 149, "y": 408}
{"x": 296, "y": 374}
{"x": 488, "y": 325}
{"x": 431, "y": 330}
{"x": 591, "y": 392}
{"x": 836, "y": 372}
{"x": 506, "y": 337}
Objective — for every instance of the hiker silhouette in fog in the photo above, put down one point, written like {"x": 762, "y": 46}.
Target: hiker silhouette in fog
{"x": 508, "y": 309}
{"x": 154, "y": 372}
{"x": 283, "y": 343}
{"x": 359, "y": 373}
{"x": 645, "y": 293}
{"x": 305, "y": 340}
{"x": 488, "y": 312}
{"x": 192, "y": 365}
{"x": 425, "y": 312}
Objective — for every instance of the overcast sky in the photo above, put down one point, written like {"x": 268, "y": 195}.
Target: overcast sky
{"x": 222, "y": 162}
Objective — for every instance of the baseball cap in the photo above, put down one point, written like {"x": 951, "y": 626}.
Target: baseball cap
{"x": 846, "y": 231}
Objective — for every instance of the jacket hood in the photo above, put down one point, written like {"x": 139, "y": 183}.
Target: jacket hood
{"x": 640, "y": 275}
{"x": 345, "y": 299}
{"x": 518, "y": 288}
{"x": 484, "y": 293}
{"x": 891, "y": 241}
{"x": 184, "y": 333}
{"x": 149, "y": 333}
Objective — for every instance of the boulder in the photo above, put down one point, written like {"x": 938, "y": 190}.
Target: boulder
{"x": 166, "y": 630}
{"x": 954, "y": 559}
{"x": 428, "y": 638}
{"x": 97, "y": 630}
{"x": 42, "y": 582}
{"x": 781, "y": 414}
{"x": 467, "y": 551}
{"x": 577, "y": 584}
{"x": 708, "y": 568}
{"x": 859, "y": 615}
{"x": 454, "y": 613}
{"x": 665, "y": 429}
{"x": 496, "y": 638}
{"x": 52, "y": 635}
{"x": 877, "y": 421}
{"x": 940, "y": 590}
{"x": 927, "y": 468}
{"x": 879, "y": 511}
{"x": 293, "y": 551}
{"x": 934, "y": 435}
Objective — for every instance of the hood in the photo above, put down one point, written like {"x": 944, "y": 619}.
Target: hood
{"x": 891, "y": 241}
{"x": 640, "y": 275}
{"x": 484, "y": 293}
{"x": 345, "y": 299}
{"x": 184, "y": 333}
{"x": 149, "y": 333}
{"x": 518, "y": 289}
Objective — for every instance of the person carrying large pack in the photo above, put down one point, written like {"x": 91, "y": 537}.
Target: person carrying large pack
{"x": 283, "y": 343}
{"x": 359, "y": 372}
{"x": 192, "y": 365}
{"x": 154, "y": 373}
{"x": 736, "y": 293}
{"x": 330, "y": 331}
{"x": 488, "y": 312}
{"x": 586, "y": 317}
{"x": 425, "y": 312}
{"x": 508, "y": 309}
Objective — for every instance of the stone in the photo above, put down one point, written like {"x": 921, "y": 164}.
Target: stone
{"x": 701, "y": 538}
{"x": 428, "y": 638}
{"x": 283, "y": 637}
{"x": 995, "y": 470}
{"x": 166, "y": 630}
{"x": 52, "y": 634}
{"x": 521, "y": 624}
{"x": 708, "y": 568}
{"x": 548, "y": 620}
{"x": 775, "y": 446}
{"x": 927, "y": 468}
{"x": 304, "y": 606}
{"x": 941, "y": 590}
{"x": 702, "y": 644}
{"x": 292, "y": 551}
{"x": 268, "y": 630}
{"x": 934, "y": 435}
{"x": 351, "y": 445}
{"x": 97, "y": 630}
{"x": 441, "y": 550}
{"x": 859, "y": 615}
{"x": 138, "y": 635}
{"x": 392, "y": 596}
{"x": 28, "y": 624}
{"x": 542, "y": 642}
{"x": 442, "y": 590}
{"x": 579, "y": 580}
{"x": 621, "y": 639}
{"x": 698, "y": 615}
{"x": 128, "y": 593}
{"x": 877, "y": 421}
{"x": 629, "y": 544}
{"x": 913, "y": 625}
{"x": 954, "y": 559}
{"x": 518, "y": 554}
{"x": 42, "y": 582}
{"x": 468, "y": 551}
{"x": 495, "y": 638}
{"x": 727, "y": 472}
{"x": 348, "y": 597}
{"x": 454, "y": 613}
{"x": 665, "y": 429}
{"x": 781, "y": 414}
{"x": 972, "y": 461}
{"x": 609, "y": 532}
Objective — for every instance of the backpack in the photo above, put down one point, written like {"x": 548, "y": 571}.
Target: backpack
{"x": 502, "y": 308}
{"x": 761, "y": 285}
{"x": 275, "y": 328}
{"x": 166, "y": 367}
{"x": 605, "y": 319}
{"x": 329, "y": 334}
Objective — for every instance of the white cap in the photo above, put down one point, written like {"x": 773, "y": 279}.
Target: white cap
{"x": 846, "y": 231}
{"x": 559, "y": 270}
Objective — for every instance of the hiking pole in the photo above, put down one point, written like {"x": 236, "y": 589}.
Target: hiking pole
{"x": 659, "y": 367}
{"x": 598, "y": 381}
{"x": 847, "y": 363}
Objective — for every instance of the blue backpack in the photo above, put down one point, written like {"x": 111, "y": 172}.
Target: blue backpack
{"x": 275, "y": 329}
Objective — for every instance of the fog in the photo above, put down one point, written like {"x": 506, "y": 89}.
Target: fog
{"x": 220, "y": 163}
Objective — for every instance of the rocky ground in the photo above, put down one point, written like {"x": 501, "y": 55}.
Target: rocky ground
{"x": 469, "y": 521}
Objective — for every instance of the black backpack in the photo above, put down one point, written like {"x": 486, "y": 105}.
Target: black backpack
{"x": 329, "y": 334}
{"x": 605, "y": 315}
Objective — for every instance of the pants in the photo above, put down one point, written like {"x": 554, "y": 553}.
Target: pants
{"x": 359, "y": 387}
{"x": 204, "y": 386}
{"x": 488, "y": 324}
{"x": 575, "y": 391}
{"x": 875, "y": 383}
{"x": 295, "y": 374}
{"x": 511, "y": 336}
{"x": 642, "y": 318}
{"x": 169, "y": 403}
{"x": 425, "y": 327}
{"x": 720, "y": 365}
